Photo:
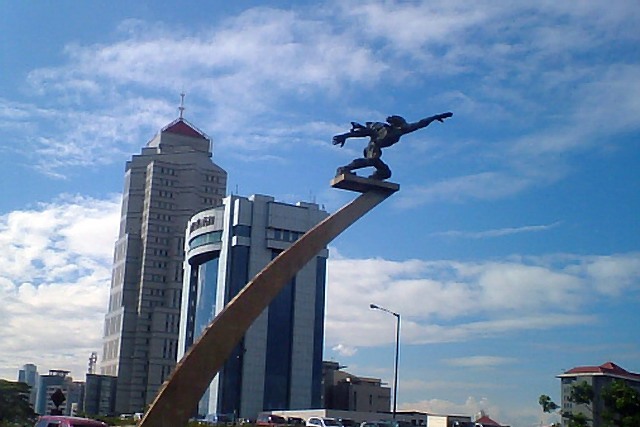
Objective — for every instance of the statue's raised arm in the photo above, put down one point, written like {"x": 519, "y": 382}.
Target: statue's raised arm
{"x": 410, "y": 127}
{"x": 381, "y": 135}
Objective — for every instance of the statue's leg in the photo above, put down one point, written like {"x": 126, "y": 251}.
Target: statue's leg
{"x": 382, "y": 170}
{"x": 356, "y": 164}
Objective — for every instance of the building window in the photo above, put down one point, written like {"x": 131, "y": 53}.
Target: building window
{"x": 204, "y": 239}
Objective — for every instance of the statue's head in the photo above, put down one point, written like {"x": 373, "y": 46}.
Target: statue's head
{"x": 398, "y": 121}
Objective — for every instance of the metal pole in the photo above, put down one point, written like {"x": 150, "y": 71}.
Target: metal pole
{"x": 395, "y": 380}
{"x": 395, "y": 371}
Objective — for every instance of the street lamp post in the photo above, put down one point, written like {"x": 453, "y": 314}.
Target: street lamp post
{"x": 395, "y": 371}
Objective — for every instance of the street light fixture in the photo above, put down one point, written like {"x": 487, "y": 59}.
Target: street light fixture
{"x": 395, "y": 372}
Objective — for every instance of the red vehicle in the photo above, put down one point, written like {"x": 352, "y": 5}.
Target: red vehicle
{"x": 64, "y": 421}
{"x": 269, "y": 420}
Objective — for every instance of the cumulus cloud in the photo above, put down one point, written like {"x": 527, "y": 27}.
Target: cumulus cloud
{"x": 54, "y": 281}
{"x": 345, "y": 350}
{"x": 470, "y": 300}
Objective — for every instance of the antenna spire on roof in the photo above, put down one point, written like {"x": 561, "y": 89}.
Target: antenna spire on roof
{"x": 181, "y": 107}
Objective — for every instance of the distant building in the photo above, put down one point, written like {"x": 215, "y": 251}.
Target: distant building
{"x": 598, "y": 377}
{"x": 167, "y": 183}
{"x": 28, "y": 374}
{"x": 278, "y": 364}
{"x": 75, "y": 397}
{"x": 348, "y": 392}
{"x": 58, "y": 379}
{"x": 484, "y": 421}
{"x": 100, "y": 394}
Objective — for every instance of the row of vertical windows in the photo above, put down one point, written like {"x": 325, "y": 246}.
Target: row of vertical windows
{"x": 213, "y": 190}
{"x": 158, "y": 264}
{"x": 160, "y": 228}
{"x": 165, "y": 194}
{"x": 170, "y": 349}
{"x": 112, "y": 325}
{"x": 163, "y": 205}
{"x": 172, "y": 323}
{"x": 151, "y": 304}
{"x": 179, "y": 272}
{"x": 167, "y": 171}
{"x": 167, "y": 182}
{"x": 118, "y": 276}
{"x": 166, "y": 370}
{"x": 214, "y": 178}
{"x": 164, "y": 217}
{"x": 211, "y": 201}
{"x": 110, "y": 350}
{"x": 115, "y": 301}
{"x": 158, "y": 239}
{"x": 283, "y": 235}
{"x": 155, "y": 278}
{"x": 120, "y": 250}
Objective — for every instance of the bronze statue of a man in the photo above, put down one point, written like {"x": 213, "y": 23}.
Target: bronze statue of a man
{"x": 381, "y": 135}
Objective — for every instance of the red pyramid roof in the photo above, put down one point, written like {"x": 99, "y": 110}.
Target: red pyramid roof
{"x": 181, "y": 127}
{"x": 486, "y": 421}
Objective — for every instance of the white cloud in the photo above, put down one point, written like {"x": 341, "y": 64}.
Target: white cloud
{"x": 54, "y": 281}
{"x": 445, "y": 301}
{"x": 344, "y": 350}
{"x": 497, "y": 232}
{"x": 109, "y": 96}
{"x": 479, "y": 361}
{"x": 481, "y": 186}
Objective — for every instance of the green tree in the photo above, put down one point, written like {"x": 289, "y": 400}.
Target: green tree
{"x": 14, "y": 404}
{"x": 547, "y": 404}
{"x": 621, "y": 405}
{"x": 581, "y": 393}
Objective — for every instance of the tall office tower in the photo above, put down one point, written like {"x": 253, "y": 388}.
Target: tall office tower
{"x": 29, "y": 375}
{"x": 278, "y": 364}
{"x": 164, "y": 186}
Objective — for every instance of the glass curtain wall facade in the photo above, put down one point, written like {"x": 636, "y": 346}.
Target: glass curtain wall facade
{"x": 278, "y": 364}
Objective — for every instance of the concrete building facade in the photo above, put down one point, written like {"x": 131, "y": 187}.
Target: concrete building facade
{"x": 598, "y": 377}
{"x": 348, "y": 392}
{"x": 100, "y": 395}
{"x": 48, "y": 384}
{"x": 278, "y": 364}
{"x": 164, "y": 186}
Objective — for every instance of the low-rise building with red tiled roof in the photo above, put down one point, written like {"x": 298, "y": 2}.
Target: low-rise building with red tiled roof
{"x": 598, "y": 377}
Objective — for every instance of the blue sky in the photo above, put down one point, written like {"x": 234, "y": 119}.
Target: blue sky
{"x": 511, "y": 250}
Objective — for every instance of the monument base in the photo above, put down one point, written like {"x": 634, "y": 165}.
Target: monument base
{"x": 352, "y": 182}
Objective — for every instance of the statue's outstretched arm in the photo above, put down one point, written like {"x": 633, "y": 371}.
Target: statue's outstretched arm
{"x": 410, "y": 127}
{"x": 357, "y": 131}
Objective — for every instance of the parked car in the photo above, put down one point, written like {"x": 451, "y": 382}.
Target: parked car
{"x": 295, "y": 421}
{"x": 323, "y": 422}
{"x": 381, "y": 423}
{"x": 64, "y": 421}
{"x": 270, "y": 420}
{"x": 347, "y": 422}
